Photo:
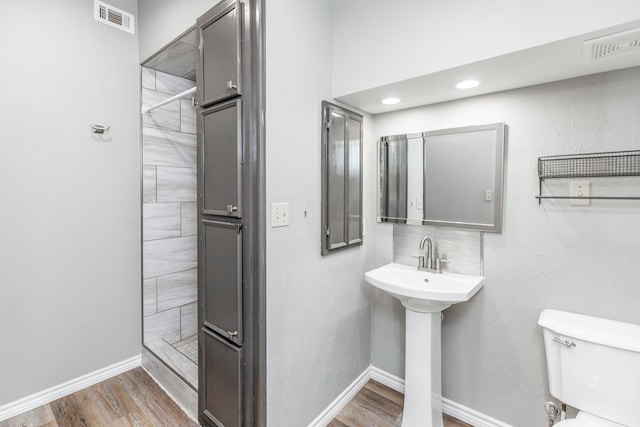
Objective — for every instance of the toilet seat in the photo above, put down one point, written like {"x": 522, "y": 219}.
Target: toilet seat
{"x": 587, "y": 420}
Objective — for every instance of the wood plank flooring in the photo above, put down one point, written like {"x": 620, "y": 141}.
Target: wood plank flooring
{"x": 130, "y": 399}
{"x": 134, "y": 399}
{"x": 377, "y": 405}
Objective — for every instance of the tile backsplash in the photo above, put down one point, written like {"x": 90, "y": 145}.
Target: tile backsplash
{"x": 463, "y": 248}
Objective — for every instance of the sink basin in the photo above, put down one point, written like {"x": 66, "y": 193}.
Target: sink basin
{"x": 424, "y": 291}
{"x": 424, "y": 295}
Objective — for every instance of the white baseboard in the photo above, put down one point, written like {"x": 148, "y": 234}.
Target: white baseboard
{"x": 384, "y": 377}
{"x": 449, "y": 407}
{"x": 341, "y": 401}
{"x": 470, "y": 416}
{"x": 28, "y": 403}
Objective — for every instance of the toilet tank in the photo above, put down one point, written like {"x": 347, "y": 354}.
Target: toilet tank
{"x": 598, "y": 374}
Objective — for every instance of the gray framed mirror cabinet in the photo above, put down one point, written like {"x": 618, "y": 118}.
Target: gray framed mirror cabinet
{"x": 449, "y": 177}
{"x": 341, "y": 178}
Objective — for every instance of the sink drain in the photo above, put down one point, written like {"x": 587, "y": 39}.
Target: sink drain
{"x": 426, "y": 280}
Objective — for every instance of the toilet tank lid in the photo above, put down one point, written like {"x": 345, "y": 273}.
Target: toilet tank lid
{"x": 592, "y": 329}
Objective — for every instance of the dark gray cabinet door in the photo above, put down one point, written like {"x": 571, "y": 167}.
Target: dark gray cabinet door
{"x": 221, "y": 54}
{"x": 223, "y": 383}
{"x": 222, "y": 256}
{"x": 222, "y": 159}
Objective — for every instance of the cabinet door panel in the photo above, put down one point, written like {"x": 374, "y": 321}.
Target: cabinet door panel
{"x": 341, "y": 178}
{"x": 223, "y": 381}
{"x": 222, "y": 159}
{"x": 221, "y": 55}
{"x": 354, "y": 180}
{"x": 222, "y": 256}
{"x": 336, "y": 181}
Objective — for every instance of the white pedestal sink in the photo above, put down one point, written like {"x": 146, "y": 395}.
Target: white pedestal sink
{"x": 424, "y": 294}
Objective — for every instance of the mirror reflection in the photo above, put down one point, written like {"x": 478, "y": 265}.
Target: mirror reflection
{"x": 450, "y": 177}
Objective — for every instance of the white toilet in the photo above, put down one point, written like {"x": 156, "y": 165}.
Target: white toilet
{"x": 593, "y": 366}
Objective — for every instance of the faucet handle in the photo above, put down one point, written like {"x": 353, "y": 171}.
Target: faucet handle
{"x": 421, "y": 260}
{"x": 439, "y": 262}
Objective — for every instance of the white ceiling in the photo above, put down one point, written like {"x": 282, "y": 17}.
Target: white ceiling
{"x": 543, "y": 64}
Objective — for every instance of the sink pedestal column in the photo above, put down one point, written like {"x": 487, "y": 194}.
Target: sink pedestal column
{"x": 423, "y": 385}
{"x": 424, "y": 295}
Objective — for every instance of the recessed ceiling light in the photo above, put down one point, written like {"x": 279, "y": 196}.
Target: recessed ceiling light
{"x": 389, "y": 101}
{"x": 467, "y": 84}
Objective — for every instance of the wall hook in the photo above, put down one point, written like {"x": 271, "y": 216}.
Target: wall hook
{"x": 99, "y": 128}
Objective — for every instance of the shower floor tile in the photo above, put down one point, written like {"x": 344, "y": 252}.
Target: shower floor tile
{"x": 189, "y": 347}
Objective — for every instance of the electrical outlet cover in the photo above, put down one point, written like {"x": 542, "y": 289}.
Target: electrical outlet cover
{"x": 580, "y": 189}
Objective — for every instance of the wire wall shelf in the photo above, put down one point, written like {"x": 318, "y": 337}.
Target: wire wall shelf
{"x": 607, "y": 164}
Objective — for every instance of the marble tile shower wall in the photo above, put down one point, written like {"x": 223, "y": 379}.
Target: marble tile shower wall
{"x": 169, "y": 210}
{"x": 463, "y": 248}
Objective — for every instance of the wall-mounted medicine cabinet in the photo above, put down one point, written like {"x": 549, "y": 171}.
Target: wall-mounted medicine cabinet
{"x": 341, "y": 178}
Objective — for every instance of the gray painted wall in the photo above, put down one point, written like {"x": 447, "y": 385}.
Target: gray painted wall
{"x": 70, "y": 211}
{"x": 580, "y": 259}
{"x": 317, "y": 307}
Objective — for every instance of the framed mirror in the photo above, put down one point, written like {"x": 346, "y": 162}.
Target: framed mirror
{"x": 450, "y": 177}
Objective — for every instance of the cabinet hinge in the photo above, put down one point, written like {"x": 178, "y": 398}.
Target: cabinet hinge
{"x": 328, "y": 232}
{"x": 328, "y": 124}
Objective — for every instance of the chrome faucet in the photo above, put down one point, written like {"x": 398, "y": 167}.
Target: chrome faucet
{"x": 426, "y": 261}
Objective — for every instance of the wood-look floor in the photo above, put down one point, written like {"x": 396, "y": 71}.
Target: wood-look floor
{"x": 377, "y": 405}
{"x": 134, "y": 399}
{"x": 129, "y": 399}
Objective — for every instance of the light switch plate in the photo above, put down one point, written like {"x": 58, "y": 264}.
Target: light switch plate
{"x": 580, "y": 189}
{"x": 279, "y": 214}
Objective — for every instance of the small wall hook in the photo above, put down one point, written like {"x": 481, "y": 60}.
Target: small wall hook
{"x": 99, "y": 128}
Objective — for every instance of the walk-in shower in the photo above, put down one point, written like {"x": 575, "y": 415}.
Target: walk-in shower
{"x": 169, "y": 211}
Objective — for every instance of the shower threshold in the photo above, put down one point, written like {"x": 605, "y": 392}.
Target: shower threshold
{"x": 182, "y": 357}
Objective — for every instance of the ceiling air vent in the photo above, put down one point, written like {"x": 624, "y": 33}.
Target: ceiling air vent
{"x": 611, "y": 46}
{"x": 113, "y": 16}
